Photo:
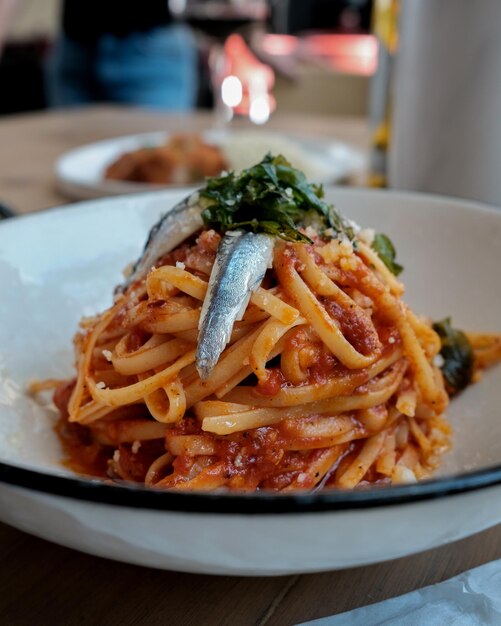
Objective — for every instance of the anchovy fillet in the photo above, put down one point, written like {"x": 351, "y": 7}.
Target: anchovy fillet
{"x": 172, "y": 229}
{"x": 239, "y": 268}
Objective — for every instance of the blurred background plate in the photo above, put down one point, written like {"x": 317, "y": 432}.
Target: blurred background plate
{"x": 80, "y": 172}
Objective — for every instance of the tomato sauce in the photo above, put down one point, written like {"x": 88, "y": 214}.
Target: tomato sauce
{"x": 355, "y": 326}
{"x": 273, "y": 383}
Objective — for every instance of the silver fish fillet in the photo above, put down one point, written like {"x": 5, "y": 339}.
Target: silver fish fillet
{"x": 172, "y": 229}
{"x": 239, "y": 268}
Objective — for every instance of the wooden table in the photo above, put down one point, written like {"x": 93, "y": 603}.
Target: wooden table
{"x": 42, "y": 583}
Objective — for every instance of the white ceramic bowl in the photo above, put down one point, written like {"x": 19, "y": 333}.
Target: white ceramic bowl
{"x": 58, "y": 265}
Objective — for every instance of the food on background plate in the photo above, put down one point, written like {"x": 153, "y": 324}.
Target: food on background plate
{"x": 261, "y": 343}
{"x": 188, "y": 158}
{"x": 183, "y": 160}
{"x": 245, "y": 148}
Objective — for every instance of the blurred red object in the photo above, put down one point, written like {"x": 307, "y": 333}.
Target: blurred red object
{"x": 247, "y": 82}
{"x": 280, "y": 45}
{"x": 349, "y": 54}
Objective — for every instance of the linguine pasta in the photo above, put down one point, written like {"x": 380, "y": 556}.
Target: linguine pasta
{"x": 329, "y": 379}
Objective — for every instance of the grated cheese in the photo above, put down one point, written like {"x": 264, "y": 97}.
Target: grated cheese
{"x": 367, "y": 235}
{"x": 135, "y": 446}
{"x": 438, "y": 360}
{"x": 107, "y": 355}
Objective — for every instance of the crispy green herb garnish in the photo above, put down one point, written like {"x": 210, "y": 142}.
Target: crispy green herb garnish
{"x": 270, "y": 197}
{"x": 457, "y": 354}
{"x": 386, "y": 252}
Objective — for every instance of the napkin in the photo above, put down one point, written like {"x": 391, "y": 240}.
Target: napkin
{"x": 471, "y": 598}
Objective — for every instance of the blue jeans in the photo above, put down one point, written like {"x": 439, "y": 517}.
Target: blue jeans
{"x": 155, "y": 69}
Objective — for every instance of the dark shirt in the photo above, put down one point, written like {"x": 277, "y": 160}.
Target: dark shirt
{"x": 87, "y": 20}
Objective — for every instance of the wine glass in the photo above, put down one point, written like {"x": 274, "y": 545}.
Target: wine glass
{"x": 240, "y": 82}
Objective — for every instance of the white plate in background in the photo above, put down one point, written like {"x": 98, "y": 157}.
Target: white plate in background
{"x": 80, "y": 172}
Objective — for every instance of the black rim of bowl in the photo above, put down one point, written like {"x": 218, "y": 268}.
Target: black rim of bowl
{"x": 136, "y": 496}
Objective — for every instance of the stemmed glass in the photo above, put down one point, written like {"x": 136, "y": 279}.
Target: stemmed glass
{"x": 239, "y": 81}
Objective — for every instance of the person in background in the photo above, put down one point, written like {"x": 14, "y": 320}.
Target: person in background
{"x": 122, "y": 51}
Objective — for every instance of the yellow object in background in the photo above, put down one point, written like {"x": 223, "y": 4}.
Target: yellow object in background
{"x": 385, "y": 27}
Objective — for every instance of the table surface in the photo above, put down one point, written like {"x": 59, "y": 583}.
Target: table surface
{"x": 31, "y": 143}
{"x": 42, "y": 582}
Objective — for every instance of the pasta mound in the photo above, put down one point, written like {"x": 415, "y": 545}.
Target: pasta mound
{"x": 329, "y": 379}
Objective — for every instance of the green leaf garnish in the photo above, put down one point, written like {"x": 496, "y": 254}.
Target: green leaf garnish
{"x": 457, "y": 354}
{"x": 270, "y": 197}
{"x": 386, "y": 252}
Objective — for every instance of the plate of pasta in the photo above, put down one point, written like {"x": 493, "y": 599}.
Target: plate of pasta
{"x": 255, "y": 393}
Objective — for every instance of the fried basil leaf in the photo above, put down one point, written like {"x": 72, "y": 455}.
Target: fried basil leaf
{"x": 386, "y": 252}
{"x": 457, "y": 354}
